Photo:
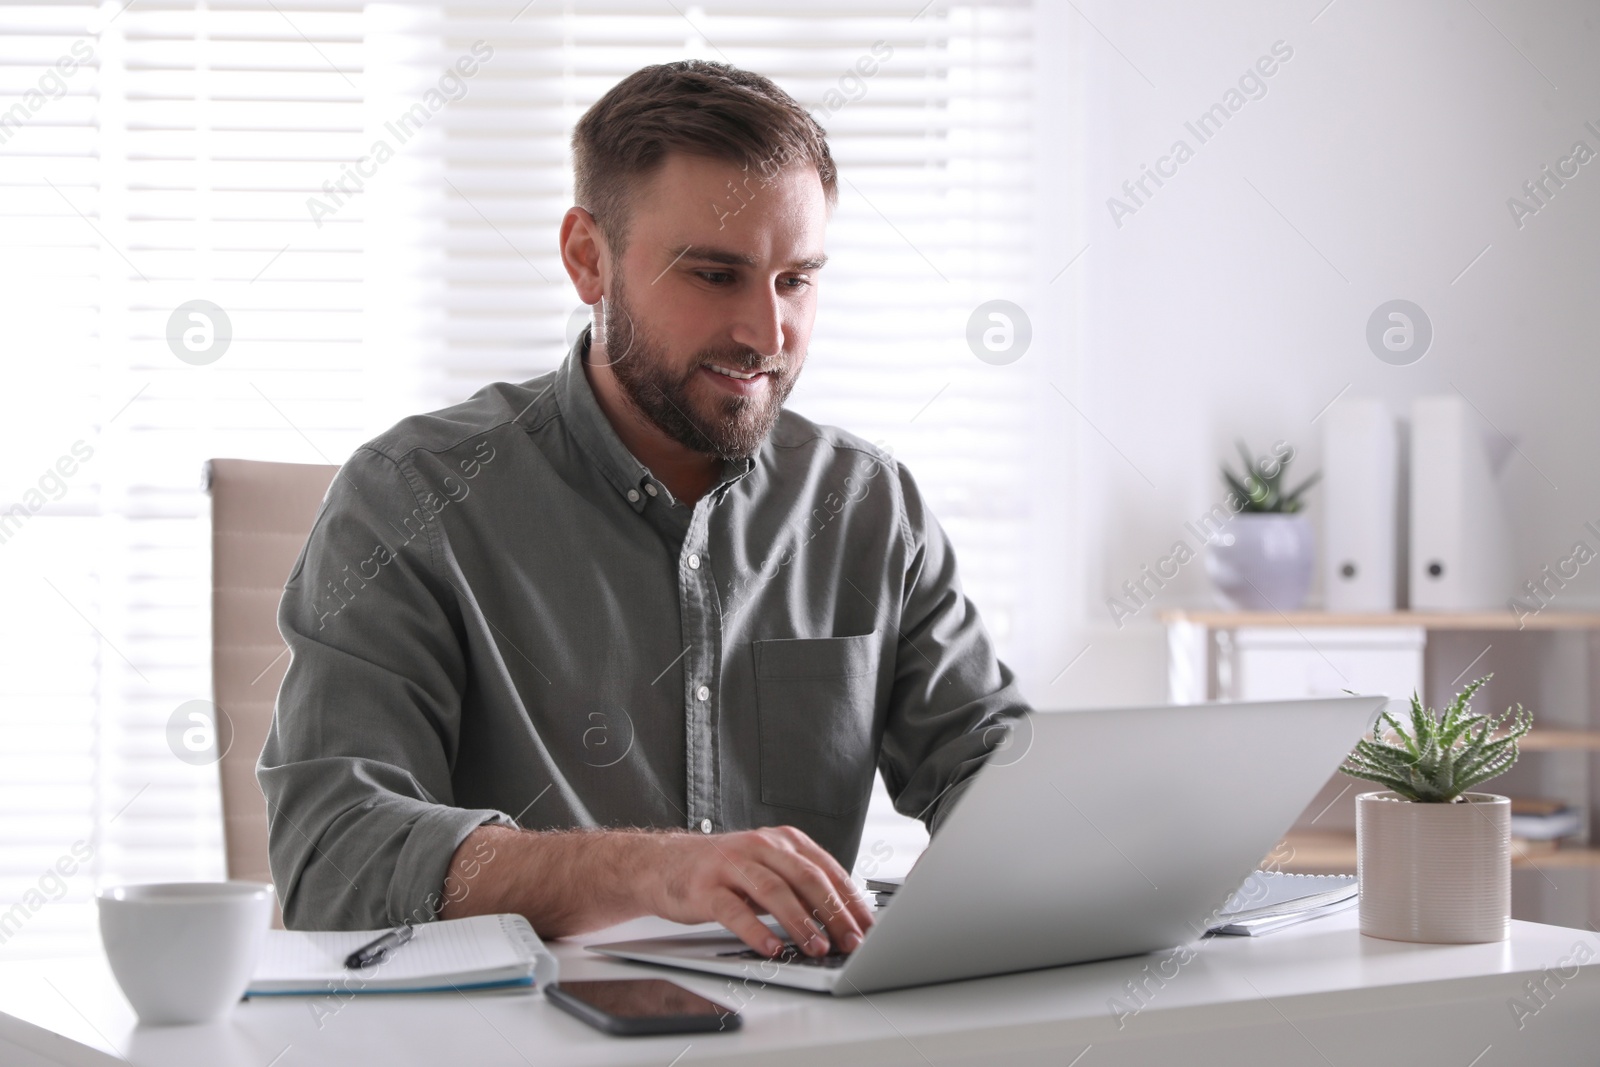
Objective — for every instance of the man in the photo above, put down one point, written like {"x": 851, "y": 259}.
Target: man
{"x": 629, "y": 638}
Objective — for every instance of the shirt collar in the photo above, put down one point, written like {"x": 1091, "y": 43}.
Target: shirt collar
{"x": 594, "y": 433}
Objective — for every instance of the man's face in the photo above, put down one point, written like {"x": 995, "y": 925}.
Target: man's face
{"x": 709, "y": 309}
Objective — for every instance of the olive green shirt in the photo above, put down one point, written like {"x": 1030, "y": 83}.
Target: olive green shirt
{"x": 501, "y": 616}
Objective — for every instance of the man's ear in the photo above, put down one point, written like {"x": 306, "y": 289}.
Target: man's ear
{"x": 584, "y": 254}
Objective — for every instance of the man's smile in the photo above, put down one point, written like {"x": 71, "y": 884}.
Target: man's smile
{"x": 741, "y": 375}
{"x": 739, "y": 383}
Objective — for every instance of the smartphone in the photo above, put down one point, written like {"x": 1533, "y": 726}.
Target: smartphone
{"x": 630, "y": 1007}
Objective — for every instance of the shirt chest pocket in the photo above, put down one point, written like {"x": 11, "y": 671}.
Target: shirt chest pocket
{"x": 816, "y": 703}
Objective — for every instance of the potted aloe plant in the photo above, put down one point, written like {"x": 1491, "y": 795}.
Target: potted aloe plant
{"x": 1263, "y": 557}
{"x": 1433, "y": 859}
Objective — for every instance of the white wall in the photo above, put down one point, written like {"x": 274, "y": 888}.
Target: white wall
{"x": 1234, "y": 301}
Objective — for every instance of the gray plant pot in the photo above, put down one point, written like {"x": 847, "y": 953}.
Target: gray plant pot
{"x": 1263, "y": 562}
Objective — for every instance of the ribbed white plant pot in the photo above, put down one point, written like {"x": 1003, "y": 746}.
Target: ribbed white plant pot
{"x": 1434, "y": 873}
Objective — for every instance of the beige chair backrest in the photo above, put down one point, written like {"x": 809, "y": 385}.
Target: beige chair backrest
{"x": 261, "y": 514}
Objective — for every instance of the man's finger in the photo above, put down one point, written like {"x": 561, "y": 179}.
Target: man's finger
{"x": 851, "y": 897}
{"x": 826, "y": 904}
{"x": 733, "y": 911}
{"x": 771, "y": 891}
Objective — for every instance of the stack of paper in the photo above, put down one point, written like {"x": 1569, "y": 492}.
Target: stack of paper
{"x": 1538, "y": 819}
{"x": 883, "y": 888}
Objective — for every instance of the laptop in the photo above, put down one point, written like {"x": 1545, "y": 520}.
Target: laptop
{"x": 1088, "y": 835}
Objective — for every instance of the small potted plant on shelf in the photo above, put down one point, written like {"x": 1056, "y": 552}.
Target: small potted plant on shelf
{"x": 1263, "y": 557}
{"x": 1433, "y": 860}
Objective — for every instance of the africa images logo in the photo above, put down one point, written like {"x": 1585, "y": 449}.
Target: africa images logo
{"x": 1399, "y": 332}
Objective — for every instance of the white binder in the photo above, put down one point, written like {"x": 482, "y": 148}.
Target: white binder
{"x": 1460, "y": 544}
{"x": 1360, "y": 506}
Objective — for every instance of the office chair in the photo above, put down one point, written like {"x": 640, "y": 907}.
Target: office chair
{"x": 261, "y": 514}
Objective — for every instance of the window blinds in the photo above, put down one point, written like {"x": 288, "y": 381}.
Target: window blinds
{"x": 169, "y": 167}
{"x": 229, "y": 152}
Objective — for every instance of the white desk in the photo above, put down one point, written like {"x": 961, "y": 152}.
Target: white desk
{"x": 1315, "y": 994}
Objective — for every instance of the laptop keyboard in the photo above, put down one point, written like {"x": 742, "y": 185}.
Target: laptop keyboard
{"x": 791, "y": 954}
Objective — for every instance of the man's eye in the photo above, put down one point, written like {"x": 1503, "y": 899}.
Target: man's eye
{"x": 796, "y": 283}
{"x": 716, "y": 277}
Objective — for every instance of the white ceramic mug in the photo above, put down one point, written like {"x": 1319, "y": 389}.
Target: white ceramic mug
{"x": 183, "y": 952}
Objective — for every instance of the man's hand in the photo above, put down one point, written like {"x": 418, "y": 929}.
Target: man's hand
{"x": 732, "y": 878}
{"x": 574, "y": 882}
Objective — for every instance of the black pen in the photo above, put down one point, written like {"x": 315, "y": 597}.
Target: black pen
{"x": 379, "y": 950}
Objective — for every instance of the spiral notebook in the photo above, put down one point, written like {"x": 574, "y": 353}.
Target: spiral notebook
{"x": 481, "y": 952}
{"x": 1267, "y": 901}
{"x": 1271, "y": 900}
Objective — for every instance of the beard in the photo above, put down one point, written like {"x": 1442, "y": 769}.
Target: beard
{"x": 728, "y": 427}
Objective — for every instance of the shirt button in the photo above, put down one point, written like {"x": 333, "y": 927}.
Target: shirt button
{"x": 650, "y": 488}
{"x": 633, "y": 496}
{"x": 703, "y": 693}
{"x": 705, "y": 826}
{"x": 694, "y": 561}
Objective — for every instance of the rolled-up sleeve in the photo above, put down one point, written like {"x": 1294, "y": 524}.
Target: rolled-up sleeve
{"x": 356, "y": 767}
{"x": 952, "y": 701}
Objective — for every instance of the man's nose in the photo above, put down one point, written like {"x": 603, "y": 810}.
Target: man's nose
{"x": 760, "y": 323}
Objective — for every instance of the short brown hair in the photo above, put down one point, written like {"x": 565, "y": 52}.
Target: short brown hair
{"x": 696, "y": 107}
